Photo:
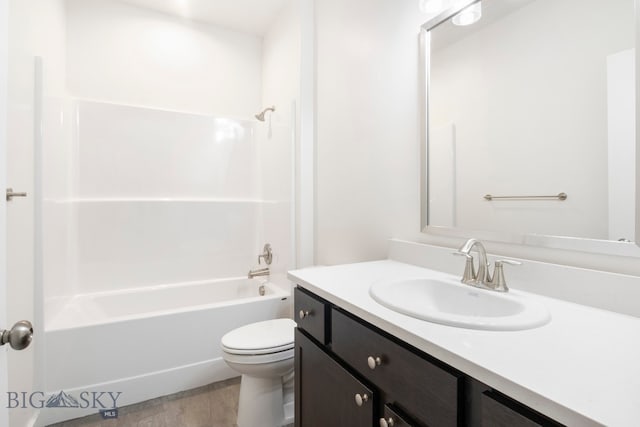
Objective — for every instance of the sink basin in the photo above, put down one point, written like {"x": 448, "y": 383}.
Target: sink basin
{"x": 448, "y": 302}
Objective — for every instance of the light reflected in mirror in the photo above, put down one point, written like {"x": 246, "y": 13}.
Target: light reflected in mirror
{"x": 537, "y": 98}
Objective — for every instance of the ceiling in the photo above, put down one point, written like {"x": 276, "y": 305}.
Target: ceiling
{"x": 248, "y": 16}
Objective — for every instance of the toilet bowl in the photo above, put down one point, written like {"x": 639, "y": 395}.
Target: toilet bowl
{"x": 263, "y": 353}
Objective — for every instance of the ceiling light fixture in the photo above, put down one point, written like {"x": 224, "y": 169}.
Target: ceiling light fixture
{"x": 469, "y": 15}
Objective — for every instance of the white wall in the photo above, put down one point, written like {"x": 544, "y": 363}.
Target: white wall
{"x": 281, "y": 88}
{"x": 281, "y": 62}
{"x": 621, "y": 109}
{"x": 129, "y": 55}
{"x": 36, "y": 28}
{"x": 532, "y": 122}
{"x": 367, "y": 127}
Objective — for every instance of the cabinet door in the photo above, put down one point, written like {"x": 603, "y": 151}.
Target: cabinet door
{"x": 326, "y": 394}
{"x": 391, "y": 418}
{"x": 500, "y": 411}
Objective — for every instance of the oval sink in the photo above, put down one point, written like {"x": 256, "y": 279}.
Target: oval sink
{"x": 449, "y": 302}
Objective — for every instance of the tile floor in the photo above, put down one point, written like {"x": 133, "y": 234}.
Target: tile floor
{"x": 214, "y": 405}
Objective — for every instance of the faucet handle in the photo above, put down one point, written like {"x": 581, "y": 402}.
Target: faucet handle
{"x": 498, "y": 282}
{"x": 267, "y": 254}
{"x": 465, "y": 254}
{"x": 469, "y": 275}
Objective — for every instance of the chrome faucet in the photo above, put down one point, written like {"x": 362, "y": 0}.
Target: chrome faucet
{"x": 470, "y": 277}
{"x": 259, "y": 272}
{"x": 267, "y": 256}
{"x": 483, "y": 278}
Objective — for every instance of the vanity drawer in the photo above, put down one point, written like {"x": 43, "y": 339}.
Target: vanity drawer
{"x": 427, "y": 391}
{"x": 500, "y": 411}
{"x": 311, "y": 314}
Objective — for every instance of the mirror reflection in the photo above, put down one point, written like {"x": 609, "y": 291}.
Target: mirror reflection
{"x": 534, "y": 98}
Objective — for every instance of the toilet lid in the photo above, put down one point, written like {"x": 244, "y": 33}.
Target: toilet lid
{"x": 260, "y": 338}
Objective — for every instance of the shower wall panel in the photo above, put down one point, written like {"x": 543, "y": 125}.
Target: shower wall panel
{"x": 144, "y": 197}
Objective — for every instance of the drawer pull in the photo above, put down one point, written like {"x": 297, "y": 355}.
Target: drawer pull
{"x": 387, "y": 423}
{"x": 302, "y": 314}
{"x": 361, "y": 399}
{"x": 373, "y": 362}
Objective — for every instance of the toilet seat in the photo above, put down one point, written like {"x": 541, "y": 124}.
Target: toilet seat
{"x": 271, "y": 340}
{"x": 257, "y": 351}
{"x": 258, "y": 359}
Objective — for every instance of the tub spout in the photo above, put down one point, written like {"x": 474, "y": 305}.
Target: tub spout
{"x": 259, "y": 272}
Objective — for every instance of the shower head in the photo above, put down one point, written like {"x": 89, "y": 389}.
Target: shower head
{"x": 260, "y": 116}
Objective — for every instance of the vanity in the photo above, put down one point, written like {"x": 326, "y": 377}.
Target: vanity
{"x": 353, "y": 373}
{"x": 529, "y": 141}
{"x": 359, "y": 363}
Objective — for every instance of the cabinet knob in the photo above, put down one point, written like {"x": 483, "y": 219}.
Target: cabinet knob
{"x": 361, "y": 398}
{"x": 302, "y": 314}
{"x": 387, "y": 423}
{"x": 373, "y": 362}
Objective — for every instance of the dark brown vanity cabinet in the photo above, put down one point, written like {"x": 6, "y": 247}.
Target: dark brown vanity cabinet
{"x": 350, "y": 373}
{"x": 326, "y": 393}
{"x": 500, "y": 411}
{"x": 428, "y": 392}
{"x": 311, "y": 314}
{"x": 391, "y": 418}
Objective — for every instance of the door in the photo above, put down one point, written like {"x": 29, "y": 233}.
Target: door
{"x": 4, "y": 24}
{"x": 24, "y": 329}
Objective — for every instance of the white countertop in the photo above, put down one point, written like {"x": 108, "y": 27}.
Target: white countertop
{"x": 581, "y": 369}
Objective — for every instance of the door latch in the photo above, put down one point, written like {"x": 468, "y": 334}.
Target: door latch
{"x": 11, "y": 194}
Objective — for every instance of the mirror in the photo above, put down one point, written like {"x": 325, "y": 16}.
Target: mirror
{"x": 530, "y": 132}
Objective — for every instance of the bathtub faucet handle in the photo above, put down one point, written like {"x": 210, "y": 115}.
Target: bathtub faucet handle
{"x": 267, "y": 254}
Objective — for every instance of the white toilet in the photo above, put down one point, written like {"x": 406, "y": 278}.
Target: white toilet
{"x": 263, "y": 353}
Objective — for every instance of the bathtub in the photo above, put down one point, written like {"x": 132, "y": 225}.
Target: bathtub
{"x": 149, "y": 342}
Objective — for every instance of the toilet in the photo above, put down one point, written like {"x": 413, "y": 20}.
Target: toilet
{"x": 263, "y": 353}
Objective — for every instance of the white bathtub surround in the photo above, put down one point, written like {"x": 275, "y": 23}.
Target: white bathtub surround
{"x": 150, "y": 342}
{"x": 153, "y": 219}
{"x": 133, "y": 304}
{"x": 155, "y": 208}
{"x": 146, "y": 197}
{"x": 581, "y": 368}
